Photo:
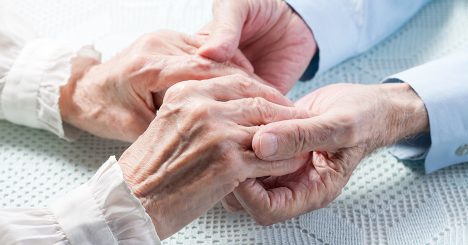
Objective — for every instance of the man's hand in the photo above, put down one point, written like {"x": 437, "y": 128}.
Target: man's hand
{"x": 198, "y": 149}
{"x": 349, "y": 121}
{"x": 118, "y": 99}
{"x": 273, "y": 37}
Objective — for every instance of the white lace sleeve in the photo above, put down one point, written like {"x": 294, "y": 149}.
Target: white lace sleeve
{"x": 102, "y": 211}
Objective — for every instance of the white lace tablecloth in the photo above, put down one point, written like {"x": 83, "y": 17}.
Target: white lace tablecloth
{"x": 385, "y": 202}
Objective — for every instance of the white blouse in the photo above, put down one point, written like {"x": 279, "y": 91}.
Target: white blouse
{"x": 102, "y": 211}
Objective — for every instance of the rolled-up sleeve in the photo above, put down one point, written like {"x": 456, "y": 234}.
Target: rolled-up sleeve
{"x": 443, "y": 87}
{"x": 345, "y": 28}
{"x": 102, "y": 211}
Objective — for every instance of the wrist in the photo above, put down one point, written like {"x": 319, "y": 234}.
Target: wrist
{"x": 407, "y": 112}
{"x": 67, "y": 102}
{"x": 130, "y": 163}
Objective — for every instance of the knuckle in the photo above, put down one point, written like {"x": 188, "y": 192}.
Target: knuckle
{"x": 226, "y": 48}
{"x": 198, "y": 63}
{"x": 201, "y": 111}
{"x": 168, "y": 110}
{"x": 150, "y": 39}
{"x": 182, "y": 89}
{"x": 259, "y": 102}
{"x": 135, "y": 63}
{"x": 243, "y": 83}
{"x": 264, "y": 109}
{"x": 241, "y": 80}
{"x": 128, "y": 119}
{"x": 256, "y": 103}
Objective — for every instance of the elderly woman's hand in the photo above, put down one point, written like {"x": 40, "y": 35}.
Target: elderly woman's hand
{"x": 198, "y": 149}
{"x": 119, "y": 98}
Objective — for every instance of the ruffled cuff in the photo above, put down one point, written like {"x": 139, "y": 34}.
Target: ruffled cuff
{"x": 32, "y": 87}
{"x": 104, "y": 211}
{"x": 30, "y": 226}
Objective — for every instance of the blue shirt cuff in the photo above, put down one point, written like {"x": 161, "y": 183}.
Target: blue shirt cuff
{"x": 443, "y": 87}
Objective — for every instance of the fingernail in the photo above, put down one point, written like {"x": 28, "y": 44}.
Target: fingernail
{"x": 268, "y": 144}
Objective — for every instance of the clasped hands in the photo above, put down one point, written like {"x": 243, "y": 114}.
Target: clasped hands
{"x": 209, "y": 123}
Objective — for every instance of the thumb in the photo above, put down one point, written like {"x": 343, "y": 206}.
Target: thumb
{"x": 286, "y": 139}
{"x": 225, "y": 30}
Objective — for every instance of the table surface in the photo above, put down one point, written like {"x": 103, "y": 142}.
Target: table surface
{"x": 385, "y": 202}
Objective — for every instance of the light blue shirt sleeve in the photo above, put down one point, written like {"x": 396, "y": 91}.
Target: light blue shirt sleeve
{"x": 443, "y": 86}
{"x": 345, "y": 28}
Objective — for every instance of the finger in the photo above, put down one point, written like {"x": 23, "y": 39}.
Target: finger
{"x": 261, "y": 168}
{"x": 240, "y": 86}
{"x": 238, "y": 59}
{"x": 226, "y": 29}
{"x": 266, "y": 206}
{"x": 231, "y": 204}
{"x": 255, "y": 200}
{"x": 259, "y": 111}
{"x": 282, "y": 140}
{"x": 241, "y": 60}
{"x": 183, "y": 68}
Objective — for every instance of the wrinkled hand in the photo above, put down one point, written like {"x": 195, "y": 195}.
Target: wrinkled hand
{"x": 349, "y": 122}
{"x": 119, "y": 98}
{"x": 198, "y": 149}
{"x": 275, "y": 39}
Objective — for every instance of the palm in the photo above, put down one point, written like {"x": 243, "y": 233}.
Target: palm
{"x": 341, "y": 99}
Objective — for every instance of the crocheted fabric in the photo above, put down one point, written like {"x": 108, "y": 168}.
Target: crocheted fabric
{"x": 385, "y": 202}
